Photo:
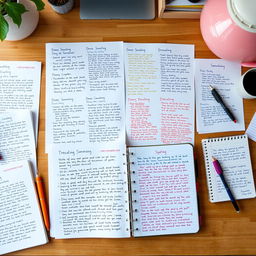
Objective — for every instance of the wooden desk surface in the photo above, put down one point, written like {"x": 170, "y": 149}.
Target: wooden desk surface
{"x": 223, "y": 231}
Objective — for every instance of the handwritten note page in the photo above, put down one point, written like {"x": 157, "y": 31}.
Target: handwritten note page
{"x": 21, "y": 222}
{"x": 251, "y": 130}
{"x": 159, "y": 93}
{"x": 89, "y": 192}
{"x": 223, "y": 76}
{"x": 234, "y": 157}
{"x": 85, "y": 93}
{"x": 20, "y": 87}
{"x": 17, "y": 140}
{"x": 163, "y": 190}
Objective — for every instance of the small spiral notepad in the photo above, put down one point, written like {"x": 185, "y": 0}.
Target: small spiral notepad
{"x": 233, "y": 154}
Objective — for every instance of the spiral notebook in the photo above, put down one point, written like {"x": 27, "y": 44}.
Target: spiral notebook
{"x": 234, "y": 156}
{"x": 120, "y": 192}
{"x": 163, "y": 190}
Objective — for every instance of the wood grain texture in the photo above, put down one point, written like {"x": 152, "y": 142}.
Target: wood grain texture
{"x": 223, "y": 231}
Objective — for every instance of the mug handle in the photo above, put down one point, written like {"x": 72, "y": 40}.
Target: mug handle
{"x": 249, "y": 64}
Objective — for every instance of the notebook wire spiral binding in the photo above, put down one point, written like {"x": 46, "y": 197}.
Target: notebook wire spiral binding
{"x": 127, "y": 191}
{"x": 133, "y": 188}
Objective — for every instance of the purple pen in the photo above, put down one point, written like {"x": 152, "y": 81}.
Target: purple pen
{"x": 219, "y": 171}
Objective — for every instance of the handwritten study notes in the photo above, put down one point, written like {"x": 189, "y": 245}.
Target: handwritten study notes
{"x": 20, "y": 87}
{"x": 223, "y": 76}
{"x": 17, "y": 140}
{"x": 233, "y": 154}
{"x": 85, "y": 93}
{"x": 89, "y": 191}
{"x": 251, "y": 130}
{"x": 163, "y": 189}
{"x": 87, "y": 120}
{"x": 21, "y": 221}
{"x": 159, "y": 93}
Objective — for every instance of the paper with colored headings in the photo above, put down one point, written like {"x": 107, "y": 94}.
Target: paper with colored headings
{"x": 85, "y": 106}
{"x": 17, "y": 139}
{"x": 223, "y": 76}
{"x": 163, "y": 190}
{"x": 88, "y": 192}
{"x": 159, "y": 93}
{"x": 20, "y": 88}
{"x": 251, "y": 130}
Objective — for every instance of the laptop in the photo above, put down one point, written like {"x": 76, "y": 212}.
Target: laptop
{"x": 117, "y": 9}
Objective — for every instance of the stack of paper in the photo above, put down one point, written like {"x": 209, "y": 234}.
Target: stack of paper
{"x": 184, "y": 5}
{"x": 21, "y": 221}
{"x": 19, "y": 110}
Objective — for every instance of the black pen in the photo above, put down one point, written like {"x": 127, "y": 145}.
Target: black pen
{"x": 218, "y": 98}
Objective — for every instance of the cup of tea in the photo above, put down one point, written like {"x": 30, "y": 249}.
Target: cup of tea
{"x": 247, "y": 86}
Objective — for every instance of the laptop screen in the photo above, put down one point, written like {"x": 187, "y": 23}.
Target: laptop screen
{"x": 117, "y": 9}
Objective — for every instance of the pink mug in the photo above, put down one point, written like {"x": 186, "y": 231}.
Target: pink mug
{"x": 229, "y": 29}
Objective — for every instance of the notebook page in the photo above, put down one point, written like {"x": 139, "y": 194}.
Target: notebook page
{"x": 164, "y": 199}
{"x": 21, "y": 221}
{"x": 234, "y": 157}
{"x": 90, "y": 198}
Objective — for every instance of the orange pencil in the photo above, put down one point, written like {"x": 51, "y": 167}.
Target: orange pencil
{"x": 41, "y": 195}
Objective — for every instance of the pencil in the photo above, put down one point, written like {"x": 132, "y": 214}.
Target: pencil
{"x": 42, "y": 199}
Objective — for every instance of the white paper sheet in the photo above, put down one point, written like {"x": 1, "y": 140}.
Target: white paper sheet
{"x": 17, "y": 139}
{"x": 21, "y": 220}
{"x": 84, "y": 94}
{"x": 223, "y": 76}
{"x": 20, "y": 88}
{"x": 159, "y": 93}
{"x": 251, "y": 130}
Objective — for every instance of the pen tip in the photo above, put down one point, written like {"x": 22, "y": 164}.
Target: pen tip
{"x": 213, "y": 159}
{"x": 211, "y": 87}
{"x": 238, "y": 211}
